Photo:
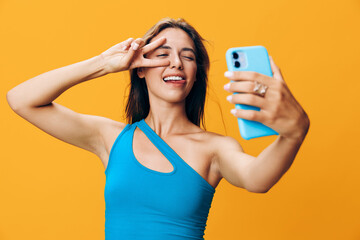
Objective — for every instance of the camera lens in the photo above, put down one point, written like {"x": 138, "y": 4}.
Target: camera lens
{"x": 235, "y": 55}
{"x": 237, "y": 64}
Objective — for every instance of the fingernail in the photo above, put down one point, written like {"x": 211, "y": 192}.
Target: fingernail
{"x": 227, "y": 86}
{"x": 228, "y": 74}
{"x": 135, "y": 46}
{"x": 229, "y": 97}
{"x": 233, "y": 111}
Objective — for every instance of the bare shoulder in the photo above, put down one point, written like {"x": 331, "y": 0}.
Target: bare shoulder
{"x": 220, "y": 142}
{"x": 216, "y": 142}
{"x": 221, "y": 145}
{"x": 109, "y": 130}
{"x": 227, "y": 142}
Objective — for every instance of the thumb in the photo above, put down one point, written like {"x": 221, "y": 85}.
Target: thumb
{"x": 276, "y": 70}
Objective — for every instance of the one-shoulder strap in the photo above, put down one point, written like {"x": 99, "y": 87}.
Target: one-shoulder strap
{"x": 163, "y": 147}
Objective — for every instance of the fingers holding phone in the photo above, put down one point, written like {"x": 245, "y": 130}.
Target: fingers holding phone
{"x": 264, "y": 104}
{"x": 250, "y": 75}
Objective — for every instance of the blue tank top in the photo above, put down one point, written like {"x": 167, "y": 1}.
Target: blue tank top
{"x": 141, "y": 203}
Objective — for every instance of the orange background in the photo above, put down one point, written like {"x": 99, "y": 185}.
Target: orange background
{"x": 53, "y": 190}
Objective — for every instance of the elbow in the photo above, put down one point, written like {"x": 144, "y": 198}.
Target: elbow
{"x": 263, "y": 190}
{"x": 13, "y": 102}
{"x": 258, "y": 189}
{"x": 10, "y": 98}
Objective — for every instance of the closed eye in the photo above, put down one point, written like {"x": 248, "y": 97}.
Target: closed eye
{"x": 162, "y": 55}
{"x": 190, "y": 58}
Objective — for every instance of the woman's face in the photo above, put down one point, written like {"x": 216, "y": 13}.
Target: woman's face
{"x": 174, "y": 82}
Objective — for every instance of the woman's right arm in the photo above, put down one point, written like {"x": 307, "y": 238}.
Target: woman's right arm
{"x": 33, "y": 99}
{"x": 45, "y": 88}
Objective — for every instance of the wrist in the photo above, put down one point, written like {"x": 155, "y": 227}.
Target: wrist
{"x": 100, "y": 65}
{"x": 298, "y": 135}
{"x": 95, "y": 67}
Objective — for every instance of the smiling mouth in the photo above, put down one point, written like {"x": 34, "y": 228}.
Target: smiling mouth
{"x": 173, "y": 78}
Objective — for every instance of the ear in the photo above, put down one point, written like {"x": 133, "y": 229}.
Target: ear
{"x": 140, "y": 72}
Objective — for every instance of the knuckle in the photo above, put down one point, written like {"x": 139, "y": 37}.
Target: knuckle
{"x": 234, "y": 98}
{"x": 243, "y": 98}
{"x": 251, "y": 86}
{"x": 252, "y": 115}
{"x": 272, "y": 119}
{"x": 236, "y": 74}
{"x": 253, "y": 75}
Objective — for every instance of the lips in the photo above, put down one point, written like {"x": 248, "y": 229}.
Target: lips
{"x": 174, "y": 78}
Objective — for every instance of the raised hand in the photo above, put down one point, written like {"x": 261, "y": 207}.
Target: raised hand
{"x": 129, "y": 54}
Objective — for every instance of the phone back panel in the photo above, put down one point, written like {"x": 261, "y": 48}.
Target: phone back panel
{"x": 257, "y": 60}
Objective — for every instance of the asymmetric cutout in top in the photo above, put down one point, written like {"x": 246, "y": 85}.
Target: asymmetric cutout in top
{"x": 156, "y": 158}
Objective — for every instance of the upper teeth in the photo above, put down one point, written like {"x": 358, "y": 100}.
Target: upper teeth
{"x": 173, "y": 78}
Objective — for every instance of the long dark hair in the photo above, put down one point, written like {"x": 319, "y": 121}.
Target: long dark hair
{"x": 138, "y": 105}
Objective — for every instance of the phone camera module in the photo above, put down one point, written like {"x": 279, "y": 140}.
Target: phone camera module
{"x": 237, "y": 64}
{"x": 235, "y": 55}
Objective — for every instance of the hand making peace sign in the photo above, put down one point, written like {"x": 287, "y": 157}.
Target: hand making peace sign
{"x": 130, "y": 53}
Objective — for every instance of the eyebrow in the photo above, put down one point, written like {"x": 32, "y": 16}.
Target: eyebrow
{"x": 168, "y": 47}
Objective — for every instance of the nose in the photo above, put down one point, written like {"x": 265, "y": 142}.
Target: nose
{"x": 175, "y": 62}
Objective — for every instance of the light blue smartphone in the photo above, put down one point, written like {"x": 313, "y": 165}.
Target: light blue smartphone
{"x": 252, "y": 58}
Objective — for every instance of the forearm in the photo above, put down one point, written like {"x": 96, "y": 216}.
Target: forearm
{"x": 44, "y": 88}
{"x": 272, "y": 163}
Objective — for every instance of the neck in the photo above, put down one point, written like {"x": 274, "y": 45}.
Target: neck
{"x": 167, "y": 118}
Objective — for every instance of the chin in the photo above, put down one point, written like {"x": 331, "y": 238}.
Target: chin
{"x": 173, "y": 97}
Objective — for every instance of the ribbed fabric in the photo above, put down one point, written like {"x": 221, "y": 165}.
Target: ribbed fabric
{"x": 145, "y": 204}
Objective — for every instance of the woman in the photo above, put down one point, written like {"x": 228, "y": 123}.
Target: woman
{"x": 162, "y": 168}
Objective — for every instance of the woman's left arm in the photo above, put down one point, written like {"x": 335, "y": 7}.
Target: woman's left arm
{"x": 278, "y": 110}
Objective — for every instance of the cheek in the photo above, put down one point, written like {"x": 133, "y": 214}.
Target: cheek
{"x": 153, "y": 72}
{"x": 193, "y": 70}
